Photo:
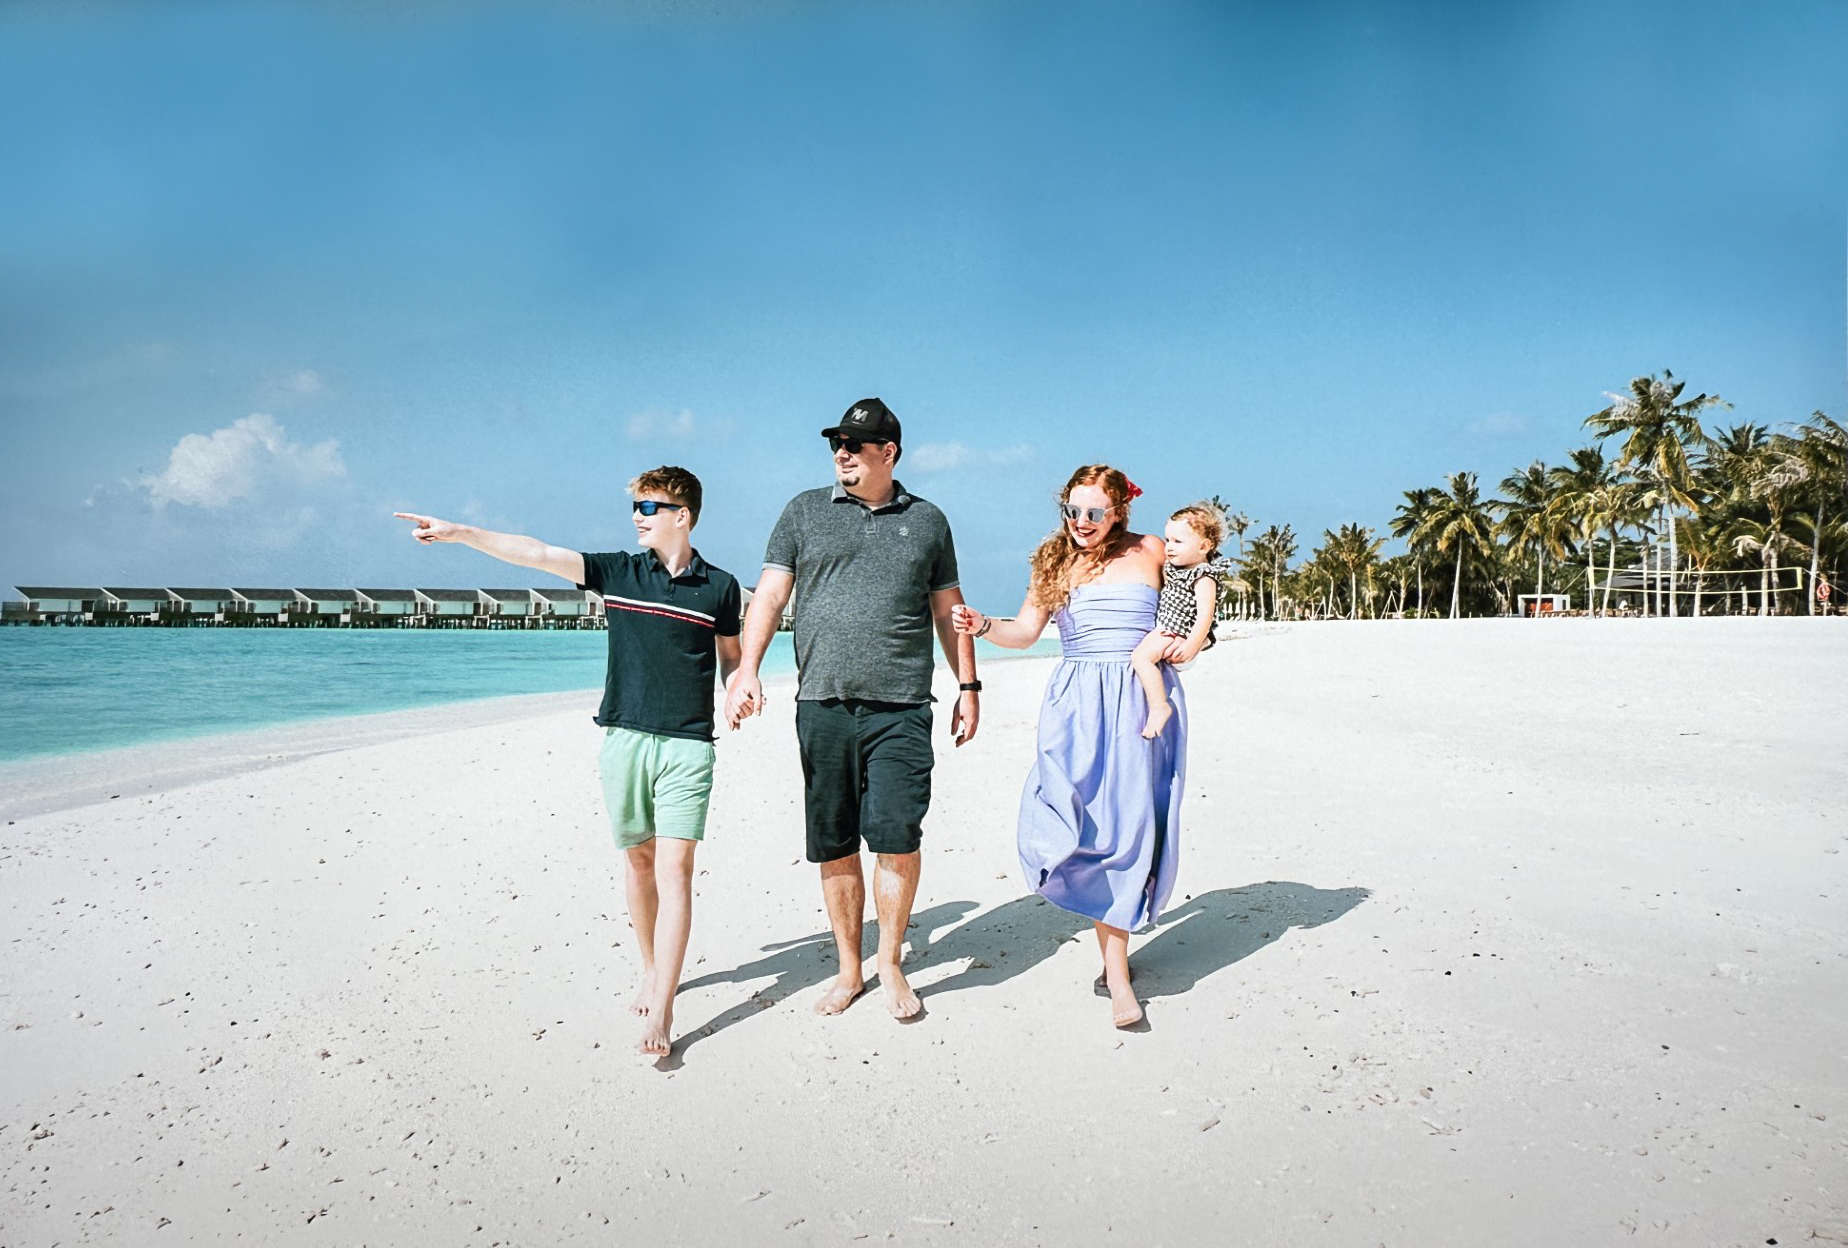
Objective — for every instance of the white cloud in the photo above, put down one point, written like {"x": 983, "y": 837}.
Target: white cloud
{"x": 303, "y": 383}
{"x": 946, "y": 456}
{"x": 249, "y": 458}
{"x": 680, "y": 426}
{"x": 1497, "y": 424}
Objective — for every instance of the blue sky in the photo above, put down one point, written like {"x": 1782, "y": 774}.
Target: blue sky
{"x": 270, "y": 272}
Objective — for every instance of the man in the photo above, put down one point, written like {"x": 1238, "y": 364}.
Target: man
{"x": 873, "y": 570}
{"x": 672, "y": 619}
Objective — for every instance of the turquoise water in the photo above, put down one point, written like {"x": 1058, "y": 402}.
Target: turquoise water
{"x": 67, "y": 690}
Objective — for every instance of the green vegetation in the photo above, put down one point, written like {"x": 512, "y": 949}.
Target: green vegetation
{"x": 1681, "y": 521}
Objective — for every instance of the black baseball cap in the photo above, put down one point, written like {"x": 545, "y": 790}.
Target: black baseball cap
{"x": 870, "y": 420}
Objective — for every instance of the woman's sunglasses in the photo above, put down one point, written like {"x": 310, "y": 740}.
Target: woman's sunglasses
{"x": 648, "y": 506}
{"x": 852, "y": 446}
{"x": 1091, "y": 515}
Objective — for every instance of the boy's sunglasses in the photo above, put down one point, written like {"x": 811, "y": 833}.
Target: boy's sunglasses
{"x": 1094, "y": 515}
{"x": 852, "y": 446}
{"x": 648, "y": 506}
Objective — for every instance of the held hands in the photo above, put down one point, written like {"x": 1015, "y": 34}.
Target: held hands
{"x": 744, "y": 697}
{"x": 429, "y": 529}
{"x": 966, "y": 619}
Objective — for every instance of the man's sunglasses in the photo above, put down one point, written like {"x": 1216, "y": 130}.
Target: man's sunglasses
{"x": 648, "y": 506}
{"x": 1094, "y": 515}
{"x": 852, "y": 446}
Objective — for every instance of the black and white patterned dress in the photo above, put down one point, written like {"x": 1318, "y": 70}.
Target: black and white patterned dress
{"x": 1178, "y": 609}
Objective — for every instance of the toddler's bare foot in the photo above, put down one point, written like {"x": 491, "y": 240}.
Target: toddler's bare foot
{"x": 847, "y": 986}
{"x": 1158, "y": 719}
{"x": 643, "y": 995}
{"x": 900, "y": 999}
{"x": 656, "y": 1039}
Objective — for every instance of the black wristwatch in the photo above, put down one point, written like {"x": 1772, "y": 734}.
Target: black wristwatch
{"x": 973, "y": 686}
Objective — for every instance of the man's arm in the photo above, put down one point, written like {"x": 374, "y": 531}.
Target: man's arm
{"x": 729, "y": 650}
{"x": 744, "y": 692}
{"x": 959, "y": 649}
{"x": 527, "y": 552}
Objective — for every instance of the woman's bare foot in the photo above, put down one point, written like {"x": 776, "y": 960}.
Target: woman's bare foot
{"x": 1125, "y": 1010}
{"x": 840, "y": 994}
{"x": 1101, "y": 985}
{"x": 643, "y": 995}
{"x": 1158, "y": 719}
{"x": 900, "y": 999}
{"x": 657, "y": 1040}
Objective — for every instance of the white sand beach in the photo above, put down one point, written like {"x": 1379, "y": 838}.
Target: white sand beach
{"x": 1490, "y": 932}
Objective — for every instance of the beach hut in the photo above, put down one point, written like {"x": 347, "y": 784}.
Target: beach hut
{"x": 447, "y": 606}
{"x": 258, "y": 606}
{"x": 335, "y": 605}
{"x": 1543, "y": 604}
{"x": 386, "y": 603}
{"x": 61, "y": 604}
{"x": 563, "y": 604}
{"x": 199, "y": 605}
{"x": 507, "y": 603}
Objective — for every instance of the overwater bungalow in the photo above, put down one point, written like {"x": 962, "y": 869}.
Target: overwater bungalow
{"x": 386, "y": 606}
{"x": 561, "y": 604}
{"x": 258, "y": 607}
{"x": 447, "y": 608}
{"x": 508, "y": 604}
{"x": 198, "y": 606}
{"x": 56, "y": 604}
{"x": 322, "y": 607}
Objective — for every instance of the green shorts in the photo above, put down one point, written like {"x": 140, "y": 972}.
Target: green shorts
{"x": 655, "y": 785}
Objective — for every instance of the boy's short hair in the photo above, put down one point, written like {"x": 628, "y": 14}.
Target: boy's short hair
{"x": 1206, "y": 520}
{"x": 678, "y": 484}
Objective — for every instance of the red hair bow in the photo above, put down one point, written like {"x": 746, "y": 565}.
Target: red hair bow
{"x": 1135, "y": 491}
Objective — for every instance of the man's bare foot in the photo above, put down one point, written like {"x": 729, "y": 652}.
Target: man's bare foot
{"x": 643, "y": 995}
{"x": 1158, "y": 719}
{"x": 656, "y": 1039}
{"x": 900, "y": 999}
{"x": 840, "y": 994}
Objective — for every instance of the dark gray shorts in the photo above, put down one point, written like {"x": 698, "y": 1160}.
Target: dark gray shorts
{"x": 865, "y": 775}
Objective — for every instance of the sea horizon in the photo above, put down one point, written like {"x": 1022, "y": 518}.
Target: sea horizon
{"x": 67, "y": 691}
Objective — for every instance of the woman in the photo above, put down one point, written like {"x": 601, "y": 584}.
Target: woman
{"x": 1100, "y": 817}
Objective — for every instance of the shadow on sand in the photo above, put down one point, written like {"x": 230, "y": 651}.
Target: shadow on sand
{"x": 1200, "y": 936}
{"x": 804, "y": 963}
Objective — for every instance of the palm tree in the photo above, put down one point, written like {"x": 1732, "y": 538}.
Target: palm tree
{"x": 1358, "y": 551}
{"x": 1408, "y": 522}
{"x": 1813, "y": 466}
{"x": 1459, "y": 519}
{"x": 1658, "y": 428}
{"x": 1582, "y": 486}
{"x": 1532, "y": 518}
{"x": 1270, "y": 555}
{"x": 1236, "y": 524}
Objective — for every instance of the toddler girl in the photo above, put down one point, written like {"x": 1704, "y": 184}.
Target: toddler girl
{"x": 1184, "y": 617}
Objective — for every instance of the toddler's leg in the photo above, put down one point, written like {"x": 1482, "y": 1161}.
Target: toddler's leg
{"x": 1146, "y": 659}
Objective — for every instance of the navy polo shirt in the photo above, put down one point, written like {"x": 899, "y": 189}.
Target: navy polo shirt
{"x": 663, "y": 662}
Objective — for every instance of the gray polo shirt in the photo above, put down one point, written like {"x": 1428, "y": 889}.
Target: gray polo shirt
{"x": 864, "y": 577}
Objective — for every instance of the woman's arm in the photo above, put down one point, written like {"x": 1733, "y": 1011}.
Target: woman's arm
{"x": 1015, "y": 634}
{"x": 1206, "y": 598}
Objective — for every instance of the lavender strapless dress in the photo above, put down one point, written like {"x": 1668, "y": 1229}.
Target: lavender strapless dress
{"x": 1100, "y": 818}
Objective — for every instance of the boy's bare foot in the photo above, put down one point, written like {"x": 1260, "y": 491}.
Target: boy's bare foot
{"x": 840, "y": 994}
{"x": 1158, "y": 719}
{"x": 900, "y": 999}
{"x": 656, "y": 1039}
{"x": 643, "y": 995}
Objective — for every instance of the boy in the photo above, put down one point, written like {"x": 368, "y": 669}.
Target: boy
{"x": 673, "y": 625}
